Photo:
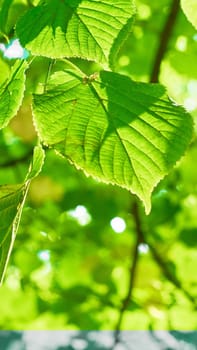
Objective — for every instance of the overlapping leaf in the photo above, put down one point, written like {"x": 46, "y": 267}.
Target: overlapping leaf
{"x": 12, "y": 198}
{"x": 11, "y": 203}
{"x": 11, "y": 93}
{"x": 89, "y": 29}
{"x": 117, "y": 130}
{"x": 37, "y": 163}
{"x": 190, "y": 9}
{"x": 4, "y": 10}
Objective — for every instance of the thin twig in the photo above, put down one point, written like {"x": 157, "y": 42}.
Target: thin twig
{"x": 162, "y": 48}
{"x": 160, "y": 261}
{"x": 132, "y": 272}
{"x": 168, "y": 274}
{"x": 13, "y": 162}
{"x": 164, "y": 40}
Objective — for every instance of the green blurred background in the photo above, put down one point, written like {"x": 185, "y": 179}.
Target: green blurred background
{"x": 69, "y": 268}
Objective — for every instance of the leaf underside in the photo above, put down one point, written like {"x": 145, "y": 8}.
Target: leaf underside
{"x": 89, "y": 29}
{"x": 119, "y": 131}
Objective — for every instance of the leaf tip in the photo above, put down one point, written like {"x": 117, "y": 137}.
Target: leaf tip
{"x": 147, "y": 205}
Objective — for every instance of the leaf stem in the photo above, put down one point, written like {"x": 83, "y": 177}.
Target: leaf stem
{"x": 72, "y": 65}
{"x": 50, "y": 66}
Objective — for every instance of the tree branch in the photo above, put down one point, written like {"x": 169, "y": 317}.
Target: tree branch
{"x": 13, "y": 162}
{"x": 132, "y": 272}
{"x": 164, "y": 40}
{"x": 140, "y": 238}
{"x": 168, "y": 274}
{"x": 162, "y": 263}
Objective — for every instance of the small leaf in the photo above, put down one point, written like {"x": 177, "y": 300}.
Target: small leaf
{"x": 11, "y": 204}
{"x": 190, "y": 9}
{"x": 88, "y": 29}
{"x": 11, "y": 93}
{"x": 37, "y": 163}
{"x": 12, "y": 198}
{"x": 117, "y": 130}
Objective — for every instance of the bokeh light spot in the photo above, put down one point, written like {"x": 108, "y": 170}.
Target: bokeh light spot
{"x": 118, "y": 224}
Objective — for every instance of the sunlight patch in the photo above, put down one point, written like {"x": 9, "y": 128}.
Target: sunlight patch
{"x": 14, "y": 50}
{"x": 44, "y": 255}
{"x": 118, "y": 224}
{"x": 143, "y": 248}
{"x": 181, "y": 43}
{"x": 81, "y": 215}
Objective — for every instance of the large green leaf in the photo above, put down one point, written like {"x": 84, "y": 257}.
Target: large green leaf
{"x": 117, "y": 130}
{"x": 11, "y": 93}
{"x": 12, "y": 198}
{"x": 91, "y": 29}
{"x": 190, "y": 9}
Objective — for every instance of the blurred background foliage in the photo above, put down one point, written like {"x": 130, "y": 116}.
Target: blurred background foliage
{"x": 71, "y": 263}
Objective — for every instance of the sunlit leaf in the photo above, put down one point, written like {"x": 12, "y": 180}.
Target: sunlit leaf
{"x": 12, "y": 198}
{"x": 190, "y": 9}
{"x": 11, "y": 204}
{"x": 11, "y": 93}
{"x": 81, "y": 28}
{"x": 117, "y": 130}
{"x": 37, "y": 163}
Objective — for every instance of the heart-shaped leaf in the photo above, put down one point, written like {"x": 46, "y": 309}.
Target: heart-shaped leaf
{"x": 115, "y": 129}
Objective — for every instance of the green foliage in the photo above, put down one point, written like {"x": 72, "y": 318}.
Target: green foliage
{"x": 11, "y": 203}
{"x": 12, "y": 199}
{"x": 190, "y": 9}
{"x": 11, "y": 93}
{"x": 92, "y": 30}
{"x": 94, "y": 106}
{"x": 4, "y": 14}
{"x": 117, "y": 130}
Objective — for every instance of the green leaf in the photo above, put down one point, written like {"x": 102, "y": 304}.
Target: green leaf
{"x": 4, "y": 70}
{"x": 12, "y": 199}
{"x": 190, "y": 9}
{"x": 11, "y": 204}
{"x": 4, "y": 10}
{"x": 88, "y": 29}
{"x": 37, "y": 163}
{"x": 11, "y": 93}
{"x": 115, "y": 129}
